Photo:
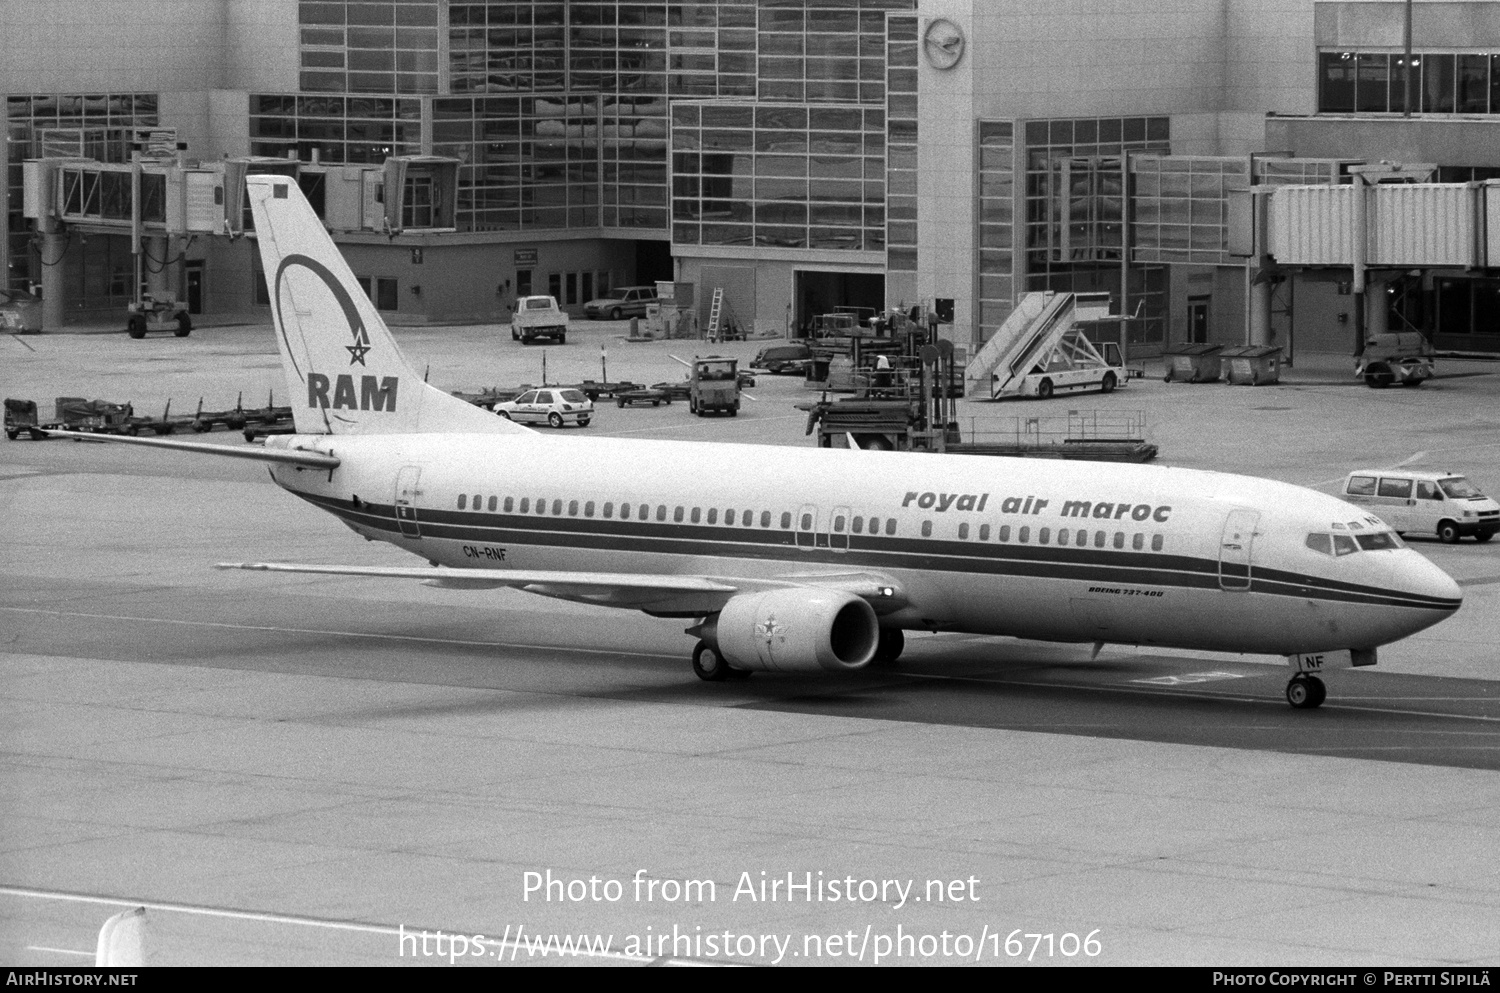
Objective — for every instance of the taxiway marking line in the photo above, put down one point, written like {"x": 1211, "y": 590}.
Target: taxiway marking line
{"x": 1239, "y": 698}
{"x": 292, "y": 919}
{"x": 324, "y": 631}
{"x": 59, "y": 951}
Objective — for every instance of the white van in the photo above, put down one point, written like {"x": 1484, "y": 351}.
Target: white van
{"x": 1437, "y": 503}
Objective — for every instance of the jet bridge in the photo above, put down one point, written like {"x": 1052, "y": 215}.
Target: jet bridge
{"x": 1038, "y": 326}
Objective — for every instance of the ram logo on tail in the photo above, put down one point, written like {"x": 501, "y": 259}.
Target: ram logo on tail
{"x": 335, "y": 348}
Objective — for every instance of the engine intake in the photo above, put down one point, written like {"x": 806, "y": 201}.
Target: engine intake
{"x": 796, "y": 630}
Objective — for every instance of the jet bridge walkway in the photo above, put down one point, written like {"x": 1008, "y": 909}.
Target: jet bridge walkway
{"x": 1037, "y": 326}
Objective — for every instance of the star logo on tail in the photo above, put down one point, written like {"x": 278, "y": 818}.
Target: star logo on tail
{"x": 361, "y": 346}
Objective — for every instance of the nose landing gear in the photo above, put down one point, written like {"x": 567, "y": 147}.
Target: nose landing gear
{"x": 1306, "y": 692}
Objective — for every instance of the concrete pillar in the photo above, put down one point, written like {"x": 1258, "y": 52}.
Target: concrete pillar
{"x": 159, "y": 281}
{"x": 1260, "y": 313}
{"x": 1377, "y": 308}
{"x": 54, "y": 302}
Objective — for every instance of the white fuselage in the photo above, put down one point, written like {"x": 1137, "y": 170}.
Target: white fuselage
{"x": 1150, "y": 555}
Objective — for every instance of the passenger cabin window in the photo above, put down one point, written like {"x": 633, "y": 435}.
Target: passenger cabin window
{"x": 963, "y": 531}
{"x": 609, "y": 509}
{"x": 984, "y": 532}
{"x": 786, "y": 520}
{"x": 1138, "y": 542}
{"x": 1156, "y": 542}
{"x": 1023, "y": 535}
{"x": 765, "y": 518}
{"x": 1119, "y": 539}
{"x": 1005, "y": 532}
{"x": 510, "y": 504}
{"x": 661, "y": 512}
{"x": 492, "y": 505}
{"x": 572, "y": 508}
{"x": 1395, "y": 488}
{"x": 588, "y": 509}
{"x": 890, "y": 526}
{"x": 1361, "y": 486}
{"x": 463, "y": 498}
{"x": 858, "y": 525}
{"x": 927, "y": 529}
{"x": 525, "y": 505}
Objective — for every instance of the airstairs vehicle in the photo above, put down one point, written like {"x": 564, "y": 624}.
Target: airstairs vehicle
{"x": 1040, "y": 350}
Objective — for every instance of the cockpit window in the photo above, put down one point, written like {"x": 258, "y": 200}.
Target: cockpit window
{"x": 1346, "y": 544}
{"x": 1459, "y": 488}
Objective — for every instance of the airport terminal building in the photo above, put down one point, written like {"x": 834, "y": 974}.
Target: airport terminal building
{"x": 799, "y": 155}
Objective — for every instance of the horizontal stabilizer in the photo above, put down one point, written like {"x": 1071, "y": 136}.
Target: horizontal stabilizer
{"x": 316, "y": 460}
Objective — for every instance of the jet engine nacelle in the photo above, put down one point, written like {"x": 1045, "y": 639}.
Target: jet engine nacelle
{"x": 796, "y": 630}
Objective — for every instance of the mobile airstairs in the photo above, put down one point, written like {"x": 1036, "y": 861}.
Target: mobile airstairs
{"x": 1040, "y": 350}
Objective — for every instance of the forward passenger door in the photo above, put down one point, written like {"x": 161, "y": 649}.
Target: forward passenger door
{"x": 1236, "y": 549}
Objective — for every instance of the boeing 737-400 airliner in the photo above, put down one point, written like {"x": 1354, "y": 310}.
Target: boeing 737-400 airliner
{"x": 808, "y": 559}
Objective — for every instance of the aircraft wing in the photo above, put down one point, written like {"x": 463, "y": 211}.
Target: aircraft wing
{"x": 640, "y": 591}
{"x": 291, "y": 456}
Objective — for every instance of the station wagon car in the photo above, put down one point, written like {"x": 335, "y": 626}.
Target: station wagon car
{"x": 549, "y": 406}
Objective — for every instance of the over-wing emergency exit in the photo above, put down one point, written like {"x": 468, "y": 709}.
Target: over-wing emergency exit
{"x": 809, "y": 559}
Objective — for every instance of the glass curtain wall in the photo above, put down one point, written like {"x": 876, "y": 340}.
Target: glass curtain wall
{"x": 339, "y": 129}
{"x": 1351, "y": 82}
{"x": 369, "y": 46}
{"x": 996, "y": 224}
{"x": 1075, "y": 208}
{"x": 26, "y": 117}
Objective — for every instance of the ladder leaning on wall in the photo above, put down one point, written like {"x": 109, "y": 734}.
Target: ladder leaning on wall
{"x": 715, "y": 313}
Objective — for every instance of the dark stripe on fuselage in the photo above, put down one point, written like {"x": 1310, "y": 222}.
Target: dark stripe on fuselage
{"x": 1106, "y": 566}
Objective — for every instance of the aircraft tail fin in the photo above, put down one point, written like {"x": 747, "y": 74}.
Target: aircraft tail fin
{"x": 344, "y": 371}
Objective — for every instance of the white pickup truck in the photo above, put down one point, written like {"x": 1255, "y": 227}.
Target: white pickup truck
{"x": 538, "y": 317}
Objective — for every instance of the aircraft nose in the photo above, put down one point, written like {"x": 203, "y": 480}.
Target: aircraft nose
{"x": 1431, "y": 589}
{"x": 1437, "y": 584}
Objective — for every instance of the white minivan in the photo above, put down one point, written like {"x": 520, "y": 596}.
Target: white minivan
{"x": 1438, "y": 503}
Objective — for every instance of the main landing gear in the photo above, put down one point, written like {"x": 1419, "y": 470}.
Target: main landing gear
{"x": 711, "y": 666}
{"x": 888, "y": 650}
{"x": 1306, "y": 692}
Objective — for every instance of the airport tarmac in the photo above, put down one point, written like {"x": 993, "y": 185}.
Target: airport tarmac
{"x": 297, "y": 770}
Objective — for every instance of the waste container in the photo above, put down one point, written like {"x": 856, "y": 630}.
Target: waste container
{"x": 1251, "y": 365}
{"x": 1192, "y": 363}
